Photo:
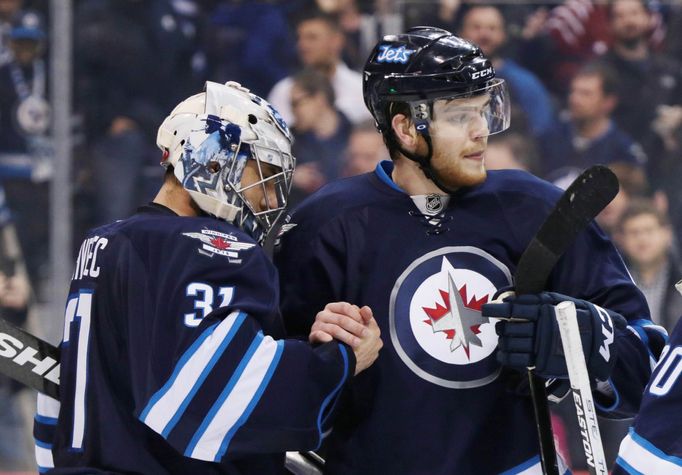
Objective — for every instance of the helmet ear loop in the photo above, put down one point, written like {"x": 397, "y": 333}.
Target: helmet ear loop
{"x": 419, "y": 114}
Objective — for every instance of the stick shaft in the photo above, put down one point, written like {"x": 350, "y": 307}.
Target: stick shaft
{"x": 548, "y": 456}
{"x": 580, "y": 203}
{"x": 581, "y": 391}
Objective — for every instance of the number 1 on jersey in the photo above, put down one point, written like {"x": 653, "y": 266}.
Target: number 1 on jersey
{"x": 78, "y": 311}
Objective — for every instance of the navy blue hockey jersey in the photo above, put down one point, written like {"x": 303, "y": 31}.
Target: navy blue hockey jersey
{"x": 654, "y": 444}
{"x": 436, "y": 401}
{"x": 170, "y": 357}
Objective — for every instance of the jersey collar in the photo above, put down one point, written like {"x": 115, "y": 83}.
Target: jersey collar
{"x": 156, "y": 208}
{"x": 383, "y": 171}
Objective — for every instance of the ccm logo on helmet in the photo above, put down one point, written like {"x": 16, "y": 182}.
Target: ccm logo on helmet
{"x": 482, "y": 73}
{"x": 393, "y": 55}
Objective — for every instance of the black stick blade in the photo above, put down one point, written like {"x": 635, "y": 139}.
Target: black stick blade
{"x": 587, "y": 196}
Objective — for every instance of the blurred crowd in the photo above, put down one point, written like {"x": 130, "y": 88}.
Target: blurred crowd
{"x": 591, "y": 82}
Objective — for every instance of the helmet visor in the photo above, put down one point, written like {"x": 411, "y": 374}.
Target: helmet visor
{"x": 477, "y": 113}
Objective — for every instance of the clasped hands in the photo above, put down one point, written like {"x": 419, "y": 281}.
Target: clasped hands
{"x": 352, "y": 325}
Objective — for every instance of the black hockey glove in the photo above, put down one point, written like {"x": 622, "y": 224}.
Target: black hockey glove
{"x": 529, "y": 334}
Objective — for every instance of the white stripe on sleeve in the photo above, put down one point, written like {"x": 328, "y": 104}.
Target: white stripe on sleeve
{"x": 44, "y": 458}
{"x": 169, "y": 402}
{"x": 47, "y": 406}
{"x": 237, "y": 400}
{"x": 642, "y": 456}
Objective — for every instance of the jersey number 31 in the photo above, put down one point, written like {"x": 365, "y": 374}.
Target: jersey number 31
{"x": 204, "y": 301}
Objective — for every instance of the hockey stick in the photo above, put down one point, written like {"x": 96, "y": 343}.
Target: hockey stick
{"x": 580, "y": 387}
{"x": 35, "y": 363}
{"x": 19, "y": 349}
{"x": 580, "y": 203}
{"x": 304, "y": 463}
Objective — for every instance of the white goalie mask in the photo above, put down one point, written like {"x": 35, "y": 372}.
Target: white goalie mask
{"x": 208, "y": 140}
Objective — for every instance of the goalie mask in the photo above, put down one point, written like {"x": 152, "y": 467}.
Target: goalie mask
{"x": 210, "y": 137}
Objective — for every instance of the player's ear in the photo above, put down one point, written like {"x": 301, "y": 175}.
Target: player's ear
{"x": 404, "y": 131}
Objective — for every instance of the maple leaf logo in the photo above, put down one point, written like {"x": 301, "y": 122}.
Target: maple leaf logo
{"x": 220, "y": 243}
{"x": 461, "y": 322}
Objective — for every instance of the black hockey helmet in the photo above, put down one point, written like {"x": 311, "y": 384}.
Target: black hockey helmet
{"x": 424, "y": 63}
{"x": 421, "y": 66}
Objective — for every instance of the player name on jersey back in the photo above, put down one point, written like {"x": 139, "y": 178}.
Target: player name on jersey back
{"x": 86, "y": 264}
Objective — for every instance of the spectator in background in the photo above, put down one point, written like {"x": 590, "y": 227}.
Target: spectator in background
{"x": 15, "y": 292}
{"x": 351, "y": 24}
{"x": 123, "y": 89}
{"x": 485, "y": 26}
{"x": 511, "y": 151}
{"x": 646, "y": 239}
{"x": 25, "y": 151}
{"x": 365, "y": 150}
{"x": 448, "y": 14}
{"x": 249, "y": 42}
{"x": 588, "y": 135}
{"x": 9, "y": 10}
{"x": 320, "y": 44}
{"x": 559, "y": 41}
{"x": 320, "y": 133}
{"x": 24, "y": 121}
{"x": 673, "y": 38}
{"x": 442, "y": 14}
{"x": 646, "y": 79}
{"x": 176, "y": 31}
{"x": 609, "y": 217}
{"x": 668, "y": 125}
{"x": 115, "y": 59}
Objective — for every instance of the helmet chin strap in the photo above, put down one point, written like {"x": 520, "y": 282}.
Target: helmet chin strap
{"x": 424, "y": 162}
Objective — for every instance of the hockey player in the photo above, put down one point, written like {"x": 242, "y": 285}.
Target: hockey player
{"x": 170, "y": 357}
{"x": 654, "y": 444}
{"x": 427, "y": 240}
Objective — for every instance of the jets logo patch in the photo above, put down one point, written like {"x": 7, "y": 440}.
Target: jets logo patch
{"x": 435, "y": 317}
{"x": 222, "y": 244}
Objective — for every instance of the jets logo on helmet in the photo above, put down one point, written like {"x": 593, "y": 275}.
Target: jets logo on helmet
{"x": 390, "y": 54}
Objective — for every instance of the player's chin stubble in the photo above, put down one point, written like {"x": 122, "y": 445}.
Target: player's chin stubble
{"x": 463, "y": 172}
